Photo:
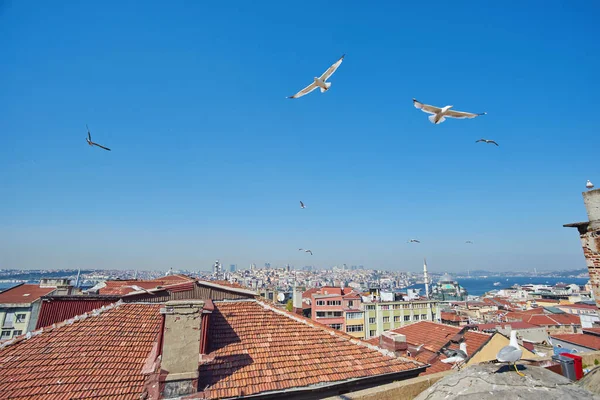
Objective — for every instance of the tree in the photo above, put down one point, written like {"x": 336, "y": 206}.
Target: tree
{"x": 290, "y": 305}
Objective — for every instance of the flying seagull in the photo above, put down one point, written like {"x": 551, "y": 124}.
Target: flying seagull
{"x": 511, "y": 353}
{"x": 469, "y": 242}
{"x": 440, "y": 114}
{"x": 589, "y": 185}
{"x": 414, "y": 241}
{"x": 306, "y": 251}
{"x": 487, "y": 141}
{"x": 140, "y": 289}
{"x": 455, "y": 356}
{"x": 302, "y": 204}
{"x": 89, "y": 140}
{"x": 320, "y": 81}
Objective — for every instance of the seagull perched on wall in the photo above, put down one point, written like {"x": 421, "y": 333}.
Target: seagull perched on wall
{"x": 488, "y": 141}
{"x": 589, "y": 185}
{"x": 89, "y": 140}
{"x": 511, "y": 353}
{"x": 320, "y": 81}
{"x": 140, "y": 289}
{"x": 302, "y": 204}
{"x": 414, "y": 241}
{"x": 440, "y": 114}
{"x": 306, "y": 251}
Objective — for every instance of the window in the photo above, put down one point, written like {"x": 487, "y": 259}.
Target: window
{"x": 8, "y": 320}
{"x": 336, "y": 326}
{"x": 354, "y": 328}
{"x": 385, "y": 307}
{"x": 371, "y": 307}
{"x": 407, "y": 317}
{"x": 334, "y": 302}
{"x": 320, "y": 303}
{"x": 415, "y": 318}
{"x": 350, "y": 303}
{"x": 371, "y": 320}
{"x": 423, "y": 317}
{"x": 320, "y": 314}
{"x": 386, "y": 320}
{"x": 5, "y": 335}
{"x": 20, "y": 318}
{"x": 354, "y": 315}
{"x": 17, "y": 332}
{"x": 396, "y": 318}
{"x": 397, "y": 306}
{"x": 372, "y": 333}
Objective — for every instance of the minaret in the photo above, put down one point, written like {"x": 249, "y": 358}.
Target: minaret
{"x": 77, "y": 280}
{"x": 426, "y": 277}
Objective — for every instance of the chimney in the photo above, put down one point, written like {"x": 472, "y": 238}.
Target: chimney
{"x": 181, "y": 347}
{"x": 394, "y": 342}
{"x": 589, "y": 233}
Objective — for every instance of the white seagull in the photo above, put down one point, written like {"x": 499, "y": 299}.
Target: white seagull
{"x": 440, "y": 114}
{"x": 89, "y": 140}
{"x": 320, "y": 81}
{"x": 511, "y": 353}
{"x": 306, "y": 251}
{"x": 414, "y": 241}
{"x": 302, "y": 204}
{"x": 487, "y": 141}
{"x": 455, "y": 356}
{"x": 140, "y": 289}
{"x": 589, "y": 185}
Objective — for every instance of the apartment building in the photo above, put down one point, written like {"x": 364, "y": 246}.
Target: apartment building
{"x": 380, "y": 317}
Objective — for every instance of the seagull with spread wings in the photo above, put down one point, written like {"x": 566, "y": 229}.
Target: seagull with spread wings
{"x": 439, "y": 115}
{"x": 89, "y": 140}
{"x": 488, "y": 141}
{"x": 320, "y": 81}
{"x": 302, "y": 204}
{"x": 306, "y": 251}
{"x": 414, "y": 241}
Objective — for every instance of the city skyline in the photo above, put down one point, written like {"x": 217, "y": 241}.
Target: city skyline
{"x": 209, "y": 160}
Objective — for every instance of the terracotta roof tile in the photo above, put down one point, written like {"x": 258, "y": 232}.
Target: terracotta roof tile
{"x": 581, "y": 339}
{"x": 100, "y": 356}
{"x": 258, "y": 348}
{"x": 123, "y": 287}
{"x": 25, "y": 293}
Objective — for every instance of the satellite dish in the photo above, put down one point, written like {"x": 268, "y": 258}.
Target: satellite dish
{"x": 280, "y": 297}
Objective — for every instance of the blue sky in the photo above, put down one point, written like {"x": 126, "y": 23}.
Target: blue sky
{"x": 210, "y": 159}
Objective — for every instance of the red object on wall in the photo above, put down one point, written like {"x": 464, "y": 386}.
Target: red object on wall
{"x": 578, "y": 364}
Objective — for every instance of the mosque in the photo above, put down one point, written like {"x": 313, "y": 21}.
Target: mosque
{"x": 447, "y": 289}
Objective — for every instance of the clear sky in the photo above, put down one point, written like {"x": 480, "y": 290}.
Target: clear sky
{"x": 210, "y": 160}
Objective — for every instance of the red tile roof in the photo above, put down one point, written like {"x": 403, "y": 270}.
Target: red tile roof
{"x": 447, "y": 316}
{"x": 101, "y": 356}
{"x": 553, "y": 319}
{"x": 434, "y": 337}
{"x": 514, "y": 325}
{"x": 257, "y": 348}
{"x": 581, "y": 339}
{"x": 592, "y": 331}
{"x": 24, "y": 294}
{"x": 329, "y": 289}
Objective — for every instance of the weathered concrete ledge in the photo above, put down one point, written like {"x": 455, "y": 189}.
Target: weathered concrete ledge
{"x": 401, "y": 390}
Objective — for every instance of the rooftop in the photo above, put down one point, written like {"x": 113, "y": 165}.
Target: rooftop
{"x": 580, "y": 339}
{"x": 100, "y": 355}
{"x": 493, "y": 382}
{"x": 259, "y": 348}
{"x": 24, "y": 294}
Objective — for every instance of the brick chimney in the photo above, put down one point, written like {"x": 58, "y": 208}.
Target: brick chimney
{"x": 392, "y": 341}
{"x": 181, "y": 347}
{"x": 589, "y": 233}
